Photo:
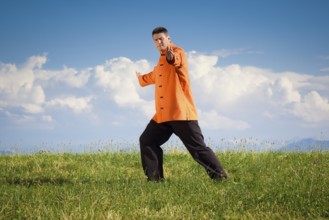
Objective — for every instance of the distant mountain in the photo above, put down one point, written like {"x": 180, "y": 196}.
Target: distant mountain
{"x": 306, "y": 145}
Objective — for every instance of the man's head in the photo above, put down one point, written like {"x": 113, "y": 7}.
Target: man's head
{"x": 161, "y": 38}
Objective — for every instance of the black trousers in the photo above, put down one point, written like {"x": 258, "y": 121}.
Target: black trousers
{"x": 189, "y": 132}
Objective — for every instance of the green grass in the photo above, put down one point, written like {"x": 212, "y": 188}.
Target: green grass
{"x": 112, "y": 186}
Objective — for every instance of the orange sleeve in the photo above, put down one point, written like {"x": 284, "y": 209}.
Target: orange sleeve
{"x": 146, "y": 79}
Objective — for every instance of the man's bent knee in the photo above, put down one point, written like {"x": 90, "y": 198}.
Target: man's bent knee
{"x": 144, "y": 140}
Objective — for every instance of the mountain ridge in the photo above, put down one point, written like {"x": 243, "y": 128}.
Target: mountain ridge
{"x": 306, "y": 145}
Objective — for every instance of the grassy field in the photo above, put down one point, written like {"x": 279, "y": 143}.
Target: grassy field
{"x": 112, "y": 186}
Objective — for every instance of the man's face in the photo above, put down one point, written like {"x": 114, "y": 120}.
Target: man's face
{"x": 161, "y": 41}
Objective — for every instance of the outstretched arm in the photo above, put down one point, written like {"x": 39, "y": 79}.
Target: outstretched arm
{"x": 145, "y": 79}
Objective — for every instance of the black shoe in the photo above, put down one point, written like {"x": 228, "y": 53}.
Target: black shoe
{"x": 157, "y": 180}
{"x": 219, "y": 176}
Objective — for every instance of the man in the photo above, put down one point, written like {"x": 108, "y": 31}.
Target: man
{"x": 175, "y": 112}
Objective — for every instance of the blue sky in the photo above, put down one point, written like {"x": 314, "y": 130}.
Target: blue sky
{"x": 258, "y": 68}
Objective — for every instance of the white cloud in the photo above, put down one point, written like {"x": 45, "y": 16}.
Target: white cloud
{"x": 69, "y": 76}
{"x": 228, "y": 52}
{"x": 35, "y": 62}
{"x": 47, "y": 118}
{"x": 232, "y": 98}
{"x": 223, "y": 53}
{"x": 313, "y": 108}
{"x": 283, "y": 92}
{"x": 24, "y": 87}
{"x": 325, "y": 70}
{"x": 81, "y": 104}
{"x": 318, "y": 83}
{"x": 250, "y": 93}
{"x": 32, "y": 108}
{"x": 226, "y": 85}
{"x": 117, "y": 77}
{"x": 212, "y": 120}
{"x": 20, "y": 118}
{"x": 18, "y": 88}
{"x": 200, "y": 64}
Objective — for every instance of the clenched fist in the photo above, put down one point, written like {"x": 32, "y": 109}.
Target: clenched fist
{"x": 169, "y": 53}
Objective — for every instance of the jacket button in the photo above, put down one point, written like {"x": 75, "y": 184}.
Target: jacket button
{"x": 161, "y": 97}
{"x": 161, "y": 108}
{"x": 161, "y": 64}
{"x": 160, "y": 86}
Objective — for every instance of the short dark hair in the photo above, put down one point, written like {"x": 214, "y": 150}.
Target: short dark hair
{"x": 159, "y": 30}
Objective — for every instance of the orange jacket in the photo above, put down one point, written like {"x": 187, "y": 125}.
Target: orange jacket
{"x": 173, "y": 95}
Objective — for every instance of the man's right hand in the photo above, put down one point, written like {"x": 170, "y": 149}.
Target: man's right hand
{"x": 138, "y": 74}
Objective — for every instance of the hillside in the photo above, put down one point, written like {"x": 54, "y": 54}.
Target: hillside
{"x": 112, "y": 186}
